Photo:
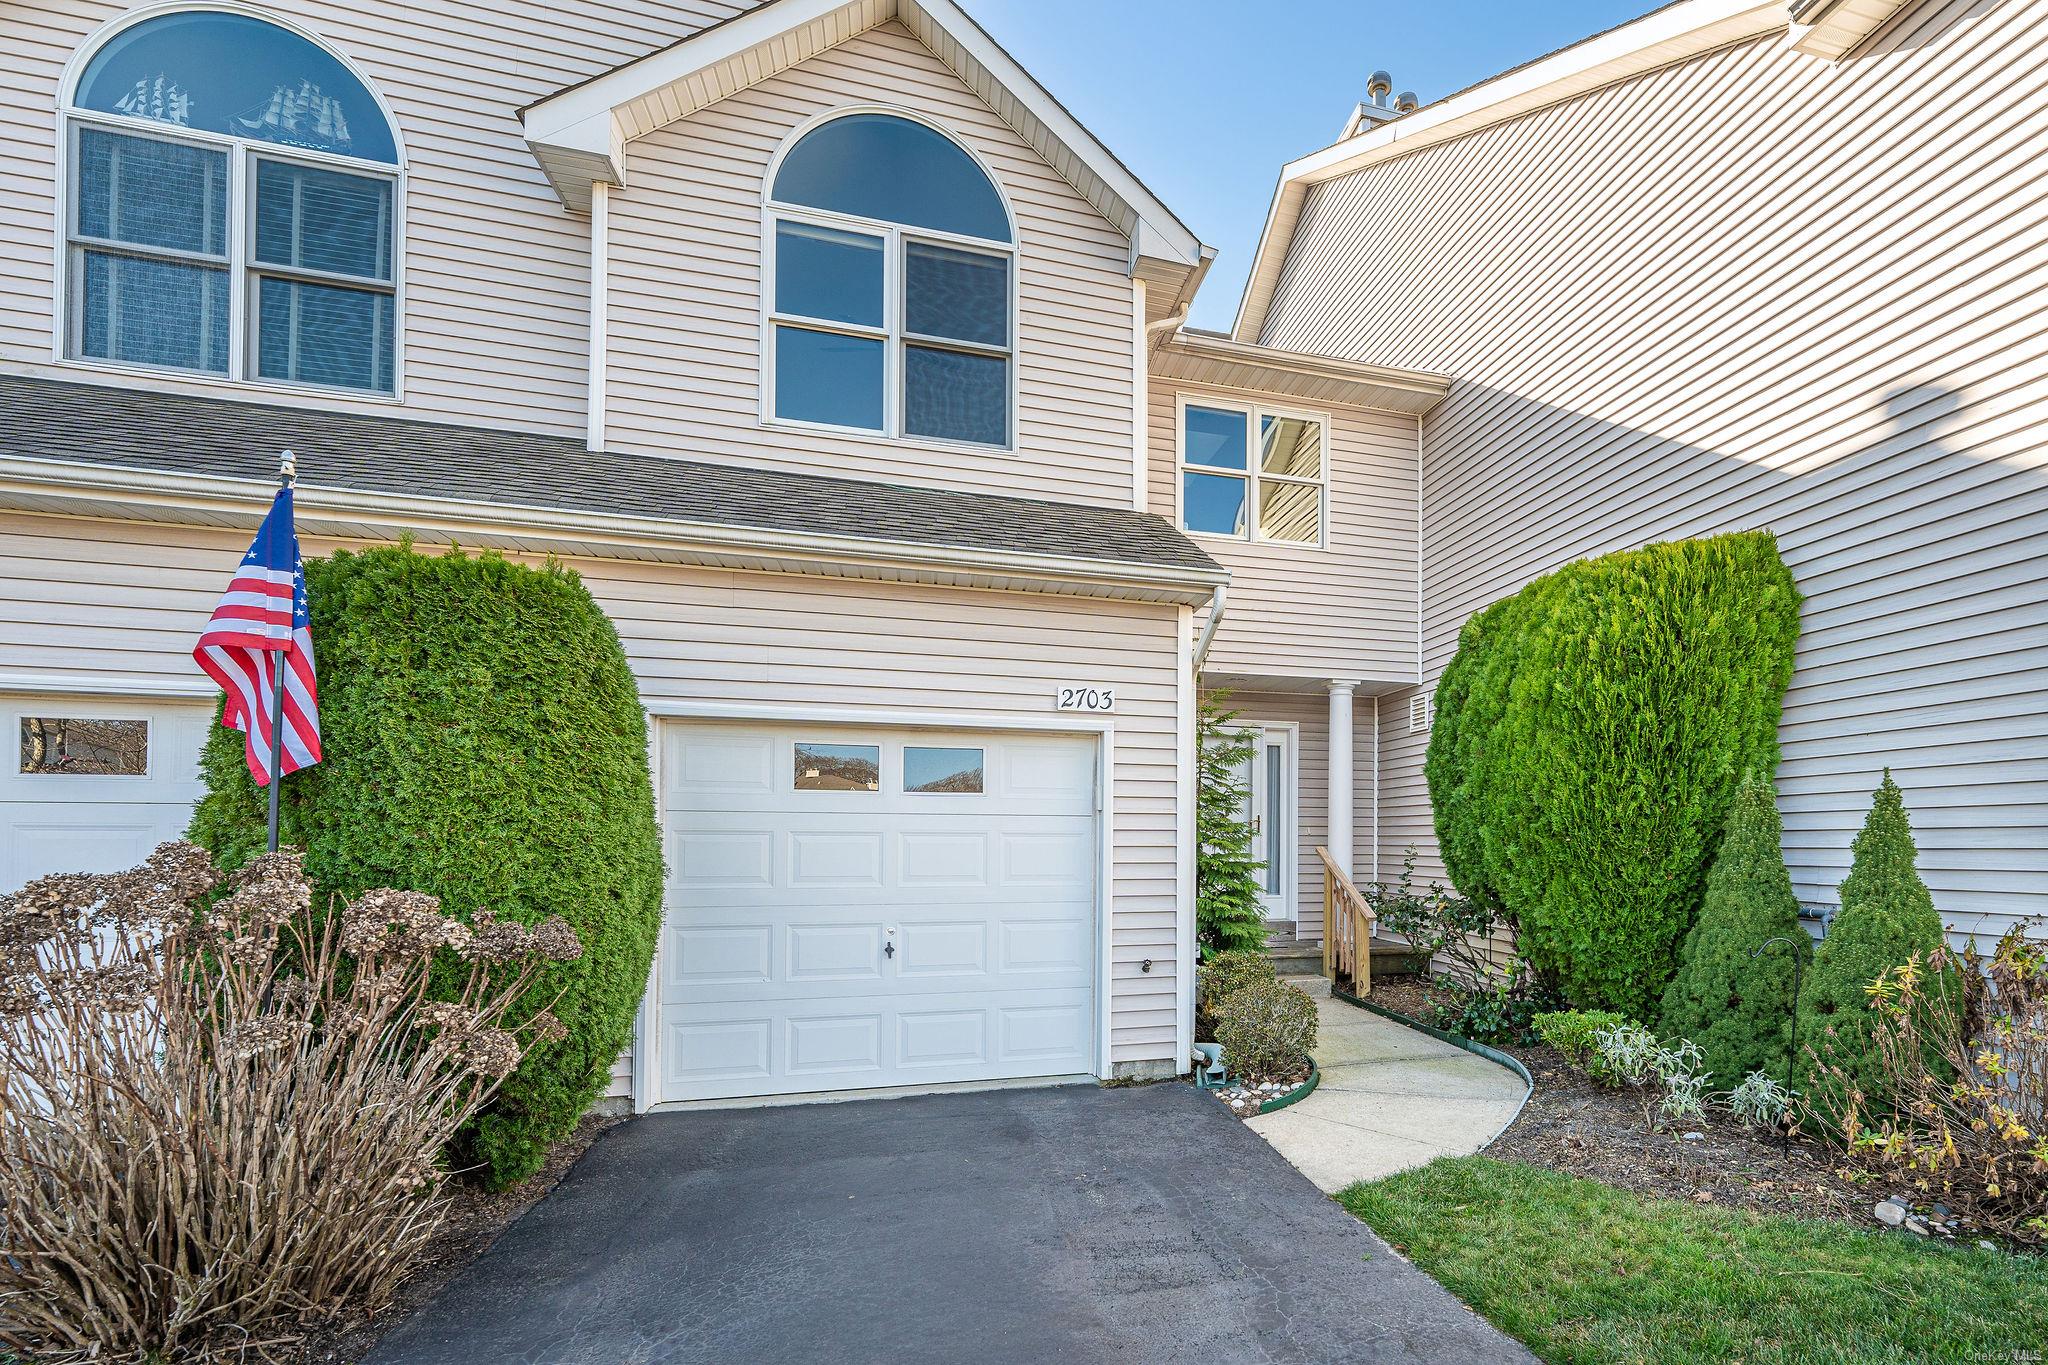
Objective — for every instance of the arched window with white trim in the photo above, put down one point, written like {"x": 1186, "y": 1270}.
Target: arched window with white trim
{"x": 233, "y": 206}
{"x": 891, "y": 291}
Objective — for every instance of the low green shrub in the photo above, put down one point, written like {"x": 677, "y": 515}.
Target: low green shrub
{"x": 1503, "y": 1010}
{"x": 1222, "y": 976}
{"x": 1267, "y": 1028}
{"x": 1572, "y": 1032}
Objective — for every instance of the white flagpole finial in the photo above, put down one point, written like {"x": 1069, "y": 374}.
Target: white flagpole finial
{"x": 287, "y": 466}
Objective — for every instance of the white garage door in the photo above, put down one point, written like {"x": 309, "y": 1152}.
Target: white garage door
{"x": 94, "y": 786}
{"x": 858, "y": 908}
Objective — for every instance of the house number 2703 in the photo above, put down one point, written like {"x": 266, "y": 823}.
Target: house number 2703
{"x": 1087, "y": 699}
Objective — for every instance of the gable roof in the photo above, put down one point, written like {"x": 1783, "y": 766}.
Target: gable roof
{"x": 1674, "y": 33}
{"x": 365, "y": 474}
{"x": 579, "y": 133}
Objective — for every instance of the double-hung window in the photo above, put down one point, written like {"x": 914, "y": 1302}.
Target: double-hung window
{"x": 890, "y": 285}
{"x": 233, "y": 207}
{"x": 1253, "y": 472}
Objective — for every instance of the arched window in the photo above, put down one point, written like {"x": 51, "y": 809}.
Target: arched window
{"x": 233, "y": 201}
{"x": 891, "y": 264}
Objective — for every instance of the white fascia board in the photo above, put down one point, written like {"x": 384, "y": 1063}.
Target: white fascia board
{"x": 81, "y": 488}
{"x": 580, "y": 122}
{"x": 552, "y": 117}
{"x": 1658, "y": 39}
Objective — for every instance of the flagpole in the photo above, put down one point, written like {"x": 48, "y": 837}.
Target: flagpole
{"x": 285, "y": 472}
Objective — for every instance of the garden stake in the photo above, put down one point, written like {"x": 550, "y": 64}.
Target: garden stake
{"x": 1792, "y": 1042}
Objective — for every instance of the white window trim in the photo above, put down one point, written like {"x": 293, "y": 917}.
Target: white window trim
{"x": 1253, "y": 411}
{"x": 892, "y": 332}
{"x": 241, "y": 267}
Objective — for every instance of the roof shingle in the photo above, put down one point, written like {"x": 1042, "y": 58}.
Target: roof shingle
{"x": 137, "y": 429}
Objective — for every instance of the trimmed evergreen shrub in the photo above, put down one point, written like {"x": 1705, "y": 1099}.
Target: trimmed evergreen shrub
{"x": 1735, "y": 1004}
{"x": 1228, "y": 913}
{"x": 1574, "y": 1033}
{"x": 1887, "y": 915}
{"x": 1589, "y": 736}
{"x": 484, "y": 743}
{"x": 1223, "y": 975}
{"x": 1267, "y": 1029}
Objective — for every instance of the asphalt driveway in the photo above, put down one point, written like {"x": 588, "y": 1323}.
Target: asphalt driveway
{"x": 1069, "y": 1224}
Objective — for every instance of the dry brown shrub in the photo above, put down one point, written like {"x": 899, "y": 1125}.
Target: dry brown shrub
{"x": 1963, "y": 1043}
{"x": 222, "y": 1116}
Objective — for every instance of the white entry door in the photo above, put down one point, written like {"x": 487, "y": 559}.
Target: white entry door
{"x": 852, "y": 908}
{"x": 94, "y": 786}
{"x": 1270, "y": 801}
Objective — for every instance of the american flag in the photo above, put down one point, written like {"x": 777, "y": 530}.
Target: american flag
{"x": 262, "y": 619}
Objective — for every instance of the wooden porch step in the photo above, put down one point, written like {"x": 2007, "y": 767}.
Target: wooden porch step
{"x": 1296, "y": 957}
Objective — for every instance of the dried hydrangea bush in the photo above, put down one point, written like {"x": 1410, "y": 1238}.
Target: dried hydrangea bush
{"x": 1962, "y": 1051}
{"x": 222, "y": 1115}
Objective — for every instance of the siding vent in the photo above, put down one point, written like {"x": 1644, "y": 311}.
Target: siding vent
{"x": 1421, "y": 712}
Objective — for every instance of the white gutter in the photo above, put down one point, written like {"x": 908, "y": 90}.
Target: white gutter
{"x": 1218, "y": 601}
{"x": 37, "y": 484}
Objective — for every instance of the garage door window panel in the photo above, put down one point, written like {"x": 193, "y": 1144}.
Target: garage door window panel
{"x": 838, "y": 767}
{"x": 950, "y": 771}
{"x": 84, "y": 746}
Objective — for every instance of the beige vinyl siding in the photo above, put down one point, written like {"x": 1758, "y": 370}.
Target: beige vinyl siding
{"x": 1309, "y": 712}
{"x": 496, "y": 274}
{"x": 1346, "y": 609}
{"x": 685, "y": 340}
{"x": 124, "y": 602}
{"x": 1754, "y": 290}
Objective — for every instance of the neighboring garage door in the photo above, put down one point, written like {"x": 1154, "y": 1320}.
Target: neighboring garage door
{"x": 94, "y": 786}
{"x": 854, "y": 908}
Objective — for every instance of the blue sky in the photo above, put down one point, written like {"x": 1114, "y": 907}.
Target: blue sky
{"x": 1206, "y": 99}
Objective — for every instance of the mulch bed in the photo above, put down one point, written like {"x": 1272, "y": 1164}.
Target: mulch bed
{"x": 475, "y": 1218}
{"x": 1574, "y": 1125}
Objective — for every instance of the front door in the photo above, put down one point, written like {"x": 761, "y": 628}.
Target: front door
{"x": 1269, "y": 780}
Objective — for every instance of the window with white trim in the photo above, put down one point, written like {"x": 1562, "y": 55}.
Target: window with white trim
{"x": 232, "y": 207}
{"x": 891, "y": 285}
{"x": 1253, "y": 472}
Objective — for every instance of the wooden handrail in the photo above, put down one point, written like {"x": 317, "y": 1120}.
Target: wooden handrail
{"x": 1347, "y": 929}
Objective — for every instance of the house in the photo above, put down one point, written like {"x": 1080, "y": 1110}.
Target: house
{"x": 851, "y": 373}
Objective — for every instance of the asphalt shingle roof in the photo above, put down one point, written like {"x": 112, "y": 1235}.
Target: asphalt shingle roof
{"x": 137, "y": 429}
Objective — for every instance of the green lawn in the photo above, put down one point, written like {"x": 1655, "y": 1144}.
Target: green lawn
{"x": 1583, "y": 1272}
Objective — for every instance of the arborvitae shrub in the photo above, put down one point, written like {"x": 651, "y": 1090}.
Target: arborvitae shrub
{"x": 1734, "y": 1002}
{"x": 1588, "y": 740}
{"x": 1886, "y": 916}
{"x": 1229, "y": 915}
{"x": 484, "y": 742}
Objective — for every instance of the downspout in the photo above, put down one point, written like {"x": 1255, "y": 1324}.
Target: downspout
{"x": 1218, "y": 601}
{"x": 1170, "y": 323}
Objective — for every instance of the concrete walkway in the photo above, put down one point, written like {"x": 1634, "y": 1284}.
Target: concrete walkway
{"x": 1390, "y": 1098}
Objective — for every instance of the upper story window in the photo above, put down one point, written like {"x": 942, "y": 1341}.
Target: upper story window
{"x": 1224, "y": 492}
{"x": 233, "y": 207}
{"x": 891, "y": 270}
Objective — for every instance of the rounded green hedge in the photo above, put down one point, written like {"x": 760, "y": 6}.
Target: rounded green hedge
{"x": 1589, "y": 736}
{"x": 484, "y": 742}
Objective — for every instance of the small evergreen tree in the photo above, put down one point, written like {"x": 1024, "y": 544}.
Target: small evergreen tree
{"x": 1228, "y": 915}
{"x": 1887, "y": 915}
{"x": 1738, "y": 1006}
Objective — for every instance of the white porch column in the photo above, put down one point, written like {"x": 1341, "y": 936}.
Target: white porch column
{"x": 1339, "y": 842}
